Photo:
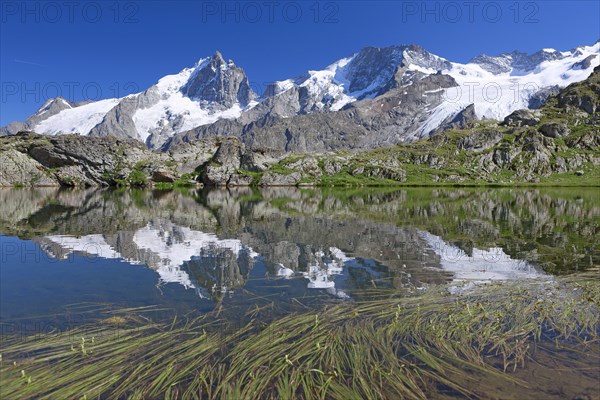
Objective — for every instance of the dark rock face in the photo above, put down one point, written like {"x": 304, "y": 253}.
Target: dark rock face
{"x": 220, "y": 82}
{"x": 459, "y": 121}
{"x": 50, "y": 156}
{"x": 586, "y": 63}
{"x": 522, "y": 118}
{"x": 516, "y": 60}
{"x": 554, "y": 130}
{"x": 371, "y": 63}
{"x": 374, "y": 66}
{"x": 583, "y": 95}
{"x": 584, "y": 102}
{"x": 539, "y": 99}
{"x": 495, "y": 65}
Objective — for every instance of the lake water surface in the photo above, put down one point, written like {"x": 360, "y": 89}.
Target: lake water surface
{"x": 66, "y": 252}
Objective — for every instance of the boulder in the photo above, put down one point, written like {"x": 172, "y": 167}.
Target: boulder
{"x": 522, "y": 118}
{"x": 480, "y": 141}
{"x": 225, "y": 163}
{"x": 50, "y": 156}
{"x": 554, "y": 130}
{"x": 164, "y": 176}
{"x": 270, "y": 178}
{"x": 17, "y": 168}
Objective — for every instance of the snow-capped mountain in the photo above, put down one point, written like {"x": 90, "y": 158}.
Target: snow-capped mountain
{"x": 378, "y": 96}
{"x": 496, "y": 86}
{"x": 211, "y": 90}
{"x": 366, "y": 74}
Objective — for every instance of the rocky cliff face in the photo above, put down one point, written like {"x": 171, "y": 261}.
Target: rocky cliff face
{"x": 219, "y": 82}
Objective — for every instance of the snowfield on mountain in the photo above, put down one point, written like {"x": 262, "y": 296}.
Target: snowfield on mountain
{"x": 408, "y": 79}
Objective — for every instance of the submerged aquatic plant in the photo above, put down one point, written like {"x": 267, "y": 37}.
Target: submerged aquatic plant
{"x": 387, "y": 347}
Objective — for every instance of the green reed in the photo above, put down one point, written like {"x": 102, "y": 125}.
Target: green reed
{"x": 387, "y": 347}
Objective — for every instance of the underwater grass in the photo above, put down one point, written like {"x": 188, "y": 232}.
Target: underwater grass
{"x": 465, "y": 345}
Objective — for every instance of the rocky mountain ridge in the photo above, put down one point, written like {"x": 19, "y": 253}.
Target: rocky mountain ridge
{"x": 559, "y": 141}
{"x": 376, "y": 97}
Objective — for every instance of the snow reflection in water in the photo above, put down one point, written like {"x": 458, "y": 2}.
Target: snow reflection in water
{"x": 481, "y": 266}
{"x": 171, "y": 250}
{"x": 164, "y": 248}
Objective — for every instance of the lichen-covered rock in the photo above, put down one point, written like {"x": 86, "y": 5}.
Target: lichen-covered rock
{"x": 270, "y": 178}
{"x": 521, "y": 118}
{"x": 18, "y": 169}
{"x": 480, "y": 141}
{"x": 554, "y": 129}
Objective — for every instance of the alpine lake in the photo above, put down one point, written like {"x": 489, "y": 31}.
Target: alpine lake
{"x": 346, "y": 293}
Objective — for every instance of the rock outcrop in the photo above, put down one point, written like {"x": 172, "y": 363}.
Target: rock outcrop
{"x": 68, "y": 160}
{"x": 554, "y": 129}
{"x": 521, "y": 118}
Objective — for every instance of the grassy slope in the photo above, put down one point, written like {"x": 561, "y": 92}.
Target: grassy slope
{"x": 464, "y": 167}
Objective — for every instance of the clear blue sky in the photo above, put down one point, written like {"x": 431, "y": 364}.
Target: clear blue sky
{"x": 85, "y": 50}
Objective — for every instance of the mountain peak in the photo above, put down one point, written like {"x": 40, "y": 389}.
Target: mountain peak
{"x": 218, "y": 56}
{"x": 216, "y": 89}
{"x": 518, "y": 60}
{"x": 219, "y": 61}
{"x": 54, "y": 105}
{"x": 218, "y": 81}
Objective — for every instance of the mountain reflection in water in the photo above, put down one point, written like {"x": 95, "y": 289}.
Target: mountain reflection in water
{"x": 219, "y": 242}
